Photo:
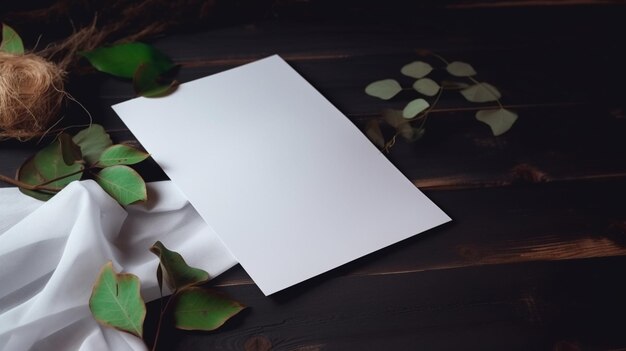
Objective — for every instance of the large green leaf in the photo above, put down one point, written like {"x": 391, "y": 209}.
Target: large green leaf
{"x": 383, "y": 89}
{"x": 116, "y": 301}
{"x": 123, "y": 184}
{"x": 49, "y": 167}
{"x": 123, "y": 60}
{"x": 201, "y": 309}
{"x": 121, "y": 154}
{"x": 175, "y": 270}
{"x": 28, "y": 174}
{"x": 11, "y": 41}
{"x": 416, "y": 69}
{"x": 481, "y": 92}
{"x": 426, "y": 86}
{"x": 92, "y": 141}
{"x": 499, "y": 120}
{"x": 460, "y": 69}
{"x": 414, "y": 108}
{"x": 149, "y": 82}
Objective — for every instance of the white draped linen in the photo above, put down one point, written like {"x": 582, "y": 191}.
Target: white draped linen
{"x": 52, "y": 252}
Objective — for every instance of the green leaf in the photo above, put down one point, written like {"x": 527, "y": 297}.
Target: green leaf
{"x": 123, "y": 184}
{"x": 121, "y": 154}
{"x": 383, "y": 89}
{"x": 416, "y": 69}
{"x": 11, "y": 41}
{"x": 414, "y": 108}
{"x": 92, "y": 141}
{"x": 460, "y": 69}
{"x": 426, "y": 86}
{"x": 200, "y": 309}
{"x": 373, "y": 132}
{"x": 499, "y": 120}
{"x": 175, "y": 271}
{"x": 116, "y": 301}
{"x": 481, "y": 92}
{"x": 69, "y": 150}
{"x": 123, "y": 60}
{"x": 148, "y": 81}
{"x": 50, "y": 164}
{"x": 28, "y": 174}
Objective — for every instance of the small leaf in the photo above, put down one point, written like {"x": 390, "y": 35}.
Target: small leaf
{"x": 175, "y": 270}
{"x": 402, "y": 126}
{"x": 416, "y": 69}
{"x": 92, "y": 141}
{"x": 11, "y": 41}
{"x": 499, "y": 120}
{"x": 426, "y": 86}
{"x": 116, "y": 301}
{"x": 373, "y": 132}
{"x": 383, "y": 89}
{"x": 200, "y": 309}
{"x": 481, "y": 92}
{"x": 123, "y": 60}
{"x": 149, "y": 82}
{"x": 69, "y": 150}
{"x": 121, "y": 154}
{"x": 123, "y": 184}
{"x": 460, "y": 69}
{"x": 414, "y": 107}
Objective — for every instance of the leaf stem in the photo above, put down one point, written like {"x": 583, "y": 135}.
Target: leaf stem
{"x": 161, "y": 315}
{"x": 440, "y": 58}
{"x": 38, "y": 187}
{"x": 64, "y": 176}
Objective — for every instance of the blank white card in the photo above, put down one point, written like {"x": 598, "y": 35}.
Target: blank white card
{"x": 287, "y": 182}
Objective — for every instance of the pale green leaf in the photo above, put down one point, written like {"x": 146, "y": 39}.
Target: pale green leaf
{"x": 383, "y": 89}
{"x": 414, "y": 108}
{"x": 175, "y": 271}
{"x": 373, "y": 132}
{"x": 123, "y": 60}
{"x": 416, "y": 69}
{"x": 11, "y": 41}
{"x": 121, "y": 154}
{"x": 201, "y": 309}
{"x": 499, "y": 120}
{"x": 116, "y": 301}
{"x": 123, "y": 184}
{"x": 460, "y": 69}
{"x": 481, "y": 92}
{"x": 426, "y": 86}
{"x": 148, "y": 81}
{"x": 92, "y": 141}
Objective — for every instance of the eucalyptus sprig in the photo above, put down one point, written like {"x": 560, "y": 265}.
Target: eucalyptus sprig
{"x": 499, "y": 119}
{"x": 88, "y": 154}
{"x": 116, "y": 299}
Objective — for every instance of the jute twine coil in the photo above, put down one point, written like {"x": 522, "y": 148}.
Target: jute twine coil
{"x": 31, "y": 95}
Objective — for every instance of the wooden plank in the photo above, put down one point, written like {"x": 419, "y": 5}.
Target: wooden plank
{"x": 505, "y": 307}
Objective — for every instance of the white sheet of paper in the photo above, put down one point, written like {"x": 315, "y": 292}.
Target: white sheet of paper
{"x": 287, "y": 182}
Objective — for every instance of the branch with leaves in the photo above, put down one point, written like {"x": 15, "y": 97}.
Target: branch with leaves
{"x": 88, "y": 154}
{"x": 116, "y": 300}
{"x": 499, "y": 119}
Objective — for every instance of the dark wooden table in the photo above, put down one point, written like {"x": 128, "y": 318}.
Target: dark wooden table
{"x": 536, "y": 254}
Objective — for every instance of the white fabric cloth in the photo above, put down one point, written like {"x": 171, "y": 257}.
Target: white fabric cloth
{"x": 52, "y": 252}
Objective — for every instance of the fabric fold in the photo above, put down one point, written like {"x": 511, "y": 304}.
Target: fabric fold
{"x": 51, "y": 253}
